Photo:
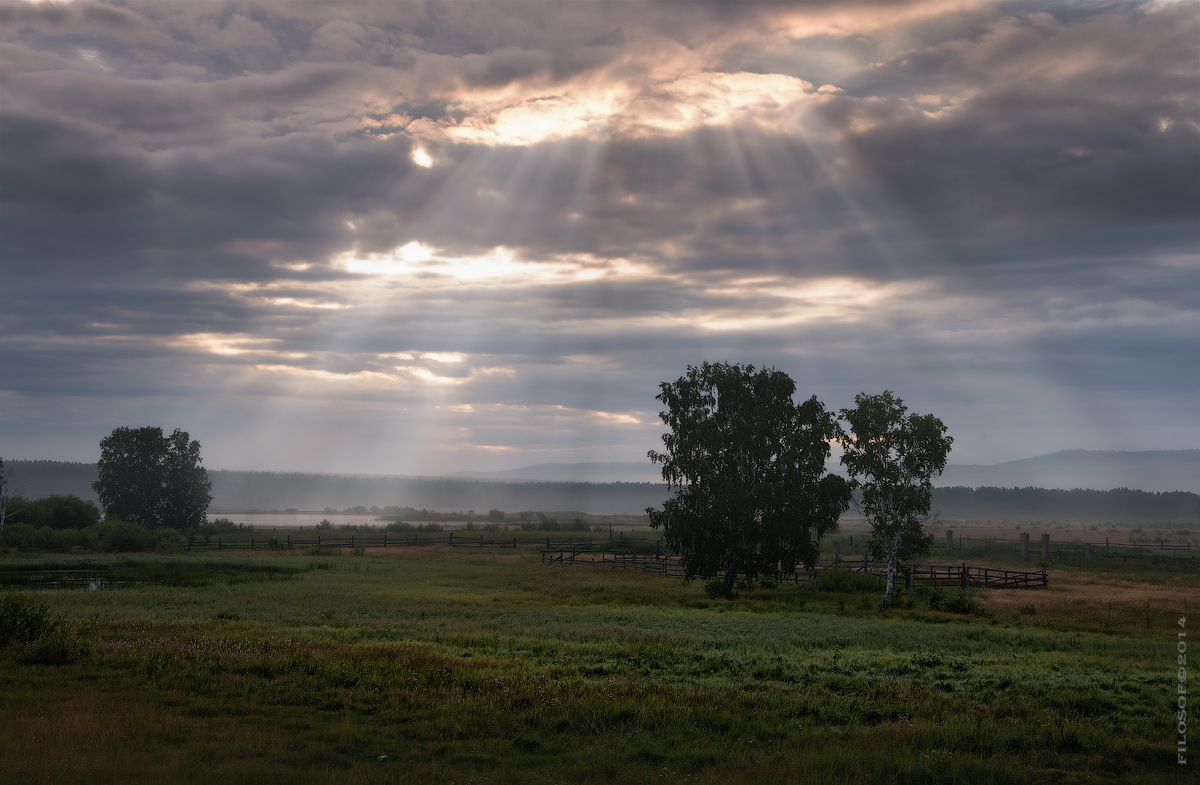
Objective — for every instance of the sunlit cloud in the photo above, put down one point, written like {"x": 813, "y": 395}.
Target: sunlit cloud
{"x": 420, "y": 265}
{"x": 598, "y": 111}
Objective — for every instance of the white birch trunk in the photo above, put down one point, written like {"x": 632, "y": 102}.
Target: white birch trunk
{"x": 893, "y": 549}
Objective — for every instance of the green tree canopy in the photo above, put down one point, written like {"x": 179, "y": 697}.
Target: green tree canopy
{"x": 151, "y": 479}
{"x": 60, "y": 512}
{"x": 892, "y": 457}
{"x": 747, "y": 467}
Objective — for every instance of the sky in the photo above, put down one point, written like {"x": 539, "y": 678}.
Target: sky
{"x": 428, "y": 237}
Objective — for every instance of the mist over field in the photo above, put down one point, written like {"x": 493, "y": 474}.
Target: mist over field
{"x": 1151, "y": 478}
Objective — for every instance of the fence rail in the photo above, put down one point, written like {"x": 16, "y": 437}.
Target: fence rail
{"x": 915, "y": 575}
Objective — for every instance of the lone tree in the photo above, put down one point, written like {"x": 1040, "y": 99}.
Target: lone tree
{"x": 153, "y": 480}
{"x": 747, "y": 467}
{"x": 892, "y": 458}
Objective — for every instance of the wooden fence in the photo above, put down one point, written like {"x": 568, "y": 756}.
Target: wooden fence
{"x": 917, "y": 574}
{"x": 384, "y": 540}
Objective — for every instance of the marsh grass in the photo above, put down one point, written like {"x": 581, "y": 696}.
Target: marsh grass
{"x": 468, "y": 666}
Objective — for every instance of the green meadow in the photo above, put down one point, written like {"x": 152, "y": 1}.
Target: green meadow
{"x": 445, "y": 665}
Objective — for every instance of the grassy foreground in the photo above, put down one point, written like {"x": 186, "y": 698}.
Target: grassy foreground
{"x": 466, "y": 666}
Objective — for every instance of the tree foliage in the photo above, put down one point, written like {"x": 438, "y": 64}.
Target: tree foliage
{"x": 892, "y": 457}
{"x": 151, "y": 479}
{"x": 59, "y": 511}
{"x": 747, "y": 467}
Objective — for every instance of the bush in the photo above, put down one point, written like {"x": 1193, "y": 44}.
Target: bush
{"x": 59, "y": 647}
{"x": 116, "y": 535}
{"x": 69, "y": 512}
{"x": 847, "y": 581}
{"x": 221, "y": 526}
{"x": 24, "y": 619}
{"x": 923, "y": 658}
{"x": 954, "y": 602}
{"x": 715, "y": 589}
{"x": 168, "y": 541}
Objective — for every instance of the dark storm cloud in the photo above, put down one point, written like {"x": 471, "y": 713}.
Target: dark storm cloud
{"x": 205, "y": 207}
{"x": 1088, "y": 122}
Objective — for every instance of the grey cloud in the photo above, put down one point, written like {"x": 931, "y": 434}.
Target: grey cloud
{"x": 1049, "y": 220}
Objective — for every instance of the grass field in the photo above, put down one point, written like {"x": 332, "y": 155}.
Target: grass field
{"x": 486, "y": 666}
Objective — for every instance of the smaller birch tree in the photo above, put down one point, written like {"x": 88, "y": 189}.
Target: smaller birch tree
{"x": 892, "y": 457}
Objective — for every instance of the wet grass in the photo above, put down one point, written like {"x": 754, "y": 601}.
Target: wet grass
{"x": 466, "y": 666}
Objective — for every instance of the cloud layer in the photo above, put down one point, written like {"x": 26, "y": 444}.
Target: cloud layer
{"x": 424, "y": 237}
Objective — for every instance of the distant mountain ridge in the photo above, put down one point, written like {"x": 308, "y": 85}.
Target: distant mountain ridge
{"x": 1152, "y": 470}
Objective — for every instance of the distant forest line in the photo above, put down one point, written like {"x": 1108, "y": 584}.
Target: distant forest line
{"x": 245, "y": 491}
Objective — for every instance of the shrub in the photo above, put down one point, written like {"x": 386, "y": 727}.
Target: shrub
{"x": 116, "y": 535}
{"x": 848, "y": 581}
{"x": 221, "y": 526}
{"x": 168, "y": 541}
{"x": 923, "y": 658}
{"x": 69, "y": 512}
{"x": 24, "y": 619}
{"x": 960, "y": 602}
{"x": 59, "y": 647}
{"x": 954, "y": 602}
{"x": 715, "y": 589}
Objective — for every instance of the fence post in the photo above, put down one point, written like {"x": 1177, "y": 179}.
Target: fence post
{"x": 218, "y": 543}
{"x": 1046, "y": 547}
{"x": 1089, "y": 551}
{"x": 1025, "y": 546}
{"x": 289, "y": 539}
{"x": 318, "y": 541}
{"x": 962, "y": 576}
{"x": 837, "y": 553}
{"x": 949, "y": 541}
{"x": 385, "y": 540}
{"x": 251, "y": 543}
{"x": 351, "y": 540}
{"x": 452, "y": 539}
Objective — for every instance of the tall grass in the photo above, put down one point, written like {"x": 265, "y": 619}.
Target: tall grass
{"x": 463, "y": 666}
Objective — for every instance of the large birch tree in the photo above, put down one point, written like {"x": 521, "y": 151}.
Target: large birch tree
{"x": 747, "y": 467}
